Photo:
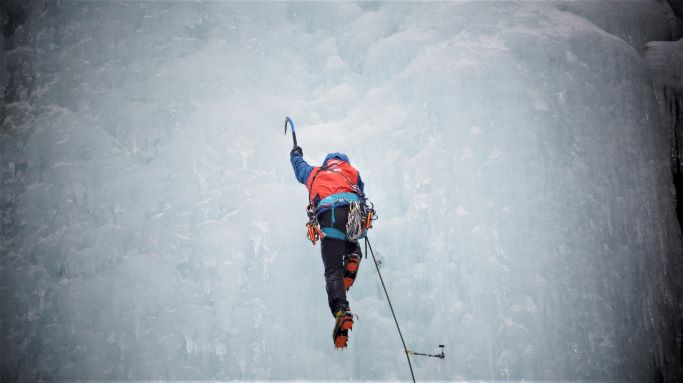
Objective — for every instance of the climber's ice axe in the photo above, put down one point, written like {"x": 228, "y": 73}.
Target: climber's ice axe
{"x": 289, "y": 120}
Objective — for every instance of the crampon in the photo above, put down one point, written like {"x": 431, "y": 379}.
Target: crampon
{"x": 342, "y": 326}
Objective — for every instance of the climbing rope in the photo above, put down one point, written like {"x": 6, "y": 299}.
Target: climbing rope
{"x": 367, "y": 244}
{"x": 408, "y": 352}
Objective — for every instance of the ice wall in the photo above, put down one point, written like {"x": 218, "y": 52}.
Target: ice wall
{"x": 665, "y": 59}
{"x": 152, "y": 227}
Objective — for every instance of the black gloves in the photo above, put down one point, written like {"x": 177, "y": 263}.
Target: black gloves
{"x": 298, "y": 150}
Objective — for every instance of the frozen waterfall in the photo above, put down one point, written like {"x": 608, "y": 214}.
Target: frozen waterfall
{"x": 519, "y": 155}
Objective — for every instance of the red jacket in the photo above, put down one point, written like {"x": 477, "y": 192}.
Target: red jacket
{"x": 339, "y": 177}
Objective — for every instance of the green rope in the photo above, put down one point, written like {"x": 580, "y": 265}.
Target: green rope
{"x": 367, "y": 243}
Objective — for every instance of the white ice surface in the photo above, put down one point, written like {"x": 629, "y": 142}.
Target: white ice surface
{"x": 153, "y": 228}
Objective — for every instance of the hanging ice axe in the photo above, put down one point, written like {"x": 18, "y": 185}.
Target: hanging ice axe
{"x": 441, "y": 355}
{"x": 290, "y": 122}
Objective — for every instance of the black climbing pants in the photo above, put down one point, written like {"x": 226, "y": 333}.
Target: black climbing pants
{"x": 333, "y": 254}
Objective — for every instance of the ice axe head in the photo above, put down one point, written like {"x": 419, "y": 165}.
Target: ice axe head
{"x": 290, "y": 122}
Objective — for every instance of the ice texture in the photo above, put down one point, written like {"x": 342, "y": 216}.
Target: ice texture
{"x": 666, "y": 60}
{"x": 152, "y": 227}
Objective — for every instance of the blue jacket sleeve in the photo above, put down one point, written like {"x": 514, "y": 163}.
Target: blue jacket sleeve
{"x": 301, "y": 169}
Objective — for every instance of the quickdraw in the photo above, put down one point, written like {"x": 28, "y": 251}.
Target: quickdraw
{"x": 368, "y": 220}
{"x": 370, "y": 215}
{"x": 354, "y": 224}
{"x": 313, "y": 231}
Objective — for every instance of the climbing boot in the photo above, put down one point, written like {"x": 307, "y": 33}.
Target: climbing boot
{"x": 350, "y": 269}
{"x": 342, "y": 326}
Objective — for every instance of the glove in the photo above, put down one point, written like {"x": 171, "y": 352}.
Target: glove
{"x": 297, "y": 150}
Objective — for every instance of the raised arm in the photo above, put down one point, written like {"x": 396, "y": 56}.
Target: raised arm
{"x": 301, "y": 168}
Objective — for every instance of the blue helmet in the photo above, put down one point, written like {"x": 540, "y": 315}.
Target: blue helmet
{"x": 341, "y": 156}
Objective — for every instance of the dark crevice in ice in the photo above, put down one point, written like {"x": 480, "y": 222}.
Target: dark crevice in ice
{"x": 677, "y": 7}
{"x": 13, "y": 14}
{"x": 663, "y": 57}
{"x": 675, "y": 100}
{"x": 669, "y": 363}
{"x": 675, "y": 108}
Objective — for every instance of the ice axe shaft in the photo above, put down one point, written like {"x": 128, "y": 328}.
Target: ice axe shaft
{"x": 289, "y": 120}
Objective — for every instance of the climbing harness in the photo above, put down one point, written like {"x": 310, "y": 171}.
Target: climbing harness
{"x": 360, "y": 216}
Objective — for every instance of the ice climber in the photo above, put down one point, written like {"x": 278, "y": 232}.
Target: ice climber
{"x": 335, "y": 191}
